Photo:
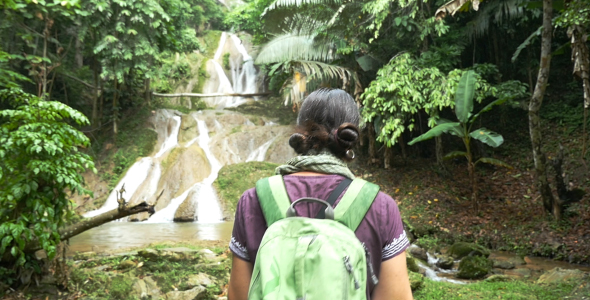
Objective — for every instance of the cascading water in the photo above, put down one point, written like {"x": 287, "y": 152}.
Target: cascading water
{"x": 171, "y": 139}
{"x": 208, "y": 204}
{"x": 242, "y": 71}
{"x": 134, "y": 177}
{"x": 260, "y": 152}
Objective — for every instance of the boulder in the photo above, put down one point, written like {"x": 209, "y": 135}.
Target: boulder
{"x": 192, "y": 294}
{"x": 187, "y": 211}
{"x": 207, "y": 254}
{"x": 517, "y": 261}
{"x": 503, "y": 264}
{"x": 418, "y": 253}
{"x": 411, "y": 263}
{"x": 445, "y": 262}
{"x": 559, "y": 275}
{"x": 149, "y": 254}
{"x": 126, "y": 264}
{"x": 145, "y": 288}
{"x": 461, "y": 249}
{"x": 416, "y": 280}
{"x": 474, "y": 267}
{"x": 200, "y": 279}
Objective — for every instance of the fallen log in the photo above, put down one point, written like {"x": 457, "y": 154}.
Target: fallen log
{"x": 209, "y": 95}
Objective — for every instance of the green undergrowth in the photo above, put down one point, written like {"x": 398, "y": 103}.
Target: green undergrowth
{"x": 114, "y": 277}
{"x": 233, "y": 180}
{"x": 515, "y": 290}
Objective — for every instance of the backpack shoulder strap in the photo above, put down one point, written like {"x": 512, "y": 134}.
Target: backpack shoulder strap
{"x": 273, "y": 198}
{"x": 355, "y": 203}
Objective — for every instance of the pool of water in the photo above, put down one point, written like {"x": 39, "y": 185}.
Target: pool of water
{"x": 121, "y": 235}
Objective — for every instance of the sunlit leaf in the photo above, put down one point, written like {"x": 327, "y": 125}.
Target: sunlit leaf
{"x": 487, "y": 137}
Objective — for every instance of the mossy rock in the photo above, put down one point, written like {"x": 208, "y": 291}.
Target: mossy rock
{"x": 474, "y": 267}
{"x": 445, "y": 262}
{"x": 411, "y": 263}
{"x": 416, "y": 280}
{"x": 462, "y": 249}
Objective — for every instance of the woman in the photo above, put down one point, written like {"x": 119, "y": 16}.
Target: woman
{"x": 328, "y": 129}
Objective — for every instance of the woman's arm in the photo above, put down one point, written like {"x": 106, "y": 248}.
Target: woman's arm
{"x": 393, "y": 280}
{"x": 239, "y": 280}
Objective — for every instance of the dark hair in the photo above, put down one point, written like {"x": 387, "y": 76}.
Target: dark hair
{"x": 328, "y": 118}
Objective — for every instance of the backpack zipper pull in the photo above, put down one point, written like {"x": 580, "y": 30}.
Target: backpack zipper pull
{"x": 348, "y": 267}
{"x": 370, "y": 265}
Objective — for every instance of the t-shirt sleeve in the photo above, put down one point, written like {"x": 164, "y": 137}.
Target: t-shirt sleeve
{"x": 237, "y": 244}
{"x": 395, "y": 240}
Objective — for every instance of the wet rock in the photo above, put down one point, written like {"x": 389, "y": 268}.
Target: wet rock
{"x": 411, "y": 263}
{"x": 126, "y": 264}
{"x": 416, "y": 280}
{"x": 149, "y": 254}
{"x": 474, "y": 267}
{"x": 207, "y": 254}
{"x": 498, "y": 278}
{"x": 445, "y": 262}
{"x": 84, "y": 255}
{"x": 187, "y": 211}
{"x": 188, "y": 129}
{"x": 101, "y": 268}
{"x": 419, "y": 253}
{"x": 145, "y": 288}
{"x": 461, "y": 249}
{"x": 200, "y": 279}
{"x": 503, "y": 264}
{"x": 520, "y": 272}
{"x": 192, "y": 294}
{"x": 517, "y": 261}
{"x": 558, "y": 275}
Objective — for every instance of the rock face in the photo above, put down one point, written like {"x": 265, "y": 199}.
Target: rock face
{"x": 462, "y": 249}
{"x": 502, "y": 264}
{"x": 558, "y": 275}
{"x": 192, "y": 294}
{"x": 187, "y": 211}
{"x": 419, "y": 253}
{"x": 474, "y": 267}
{"x": 445, "y": 262}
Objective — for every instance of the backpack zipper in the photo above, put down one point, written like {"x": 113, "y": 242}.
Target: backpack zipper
{"x": 370, "y": 266}
{"x": 348, "y": 267}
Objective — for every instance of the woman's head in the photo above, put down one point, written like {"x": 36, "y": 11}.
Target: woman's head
{"x": 328, "y": 119}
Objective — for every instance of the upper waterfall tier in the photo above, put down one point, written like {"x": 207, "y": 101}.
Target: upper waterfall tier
{"x": 230, "y": 71}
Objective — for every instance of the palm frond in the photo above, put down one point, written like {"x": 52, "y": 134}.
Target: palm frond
{"x": 293, "y": 47}
{"x": 297, "y": 3}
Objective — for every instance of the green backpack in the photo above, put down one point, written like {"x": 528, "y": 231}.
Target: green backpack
{"x": 306, "y": 258}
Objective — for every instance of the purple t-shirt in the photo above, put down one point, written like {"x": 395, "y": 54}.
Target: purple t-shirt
{"x": 381, "y": 230}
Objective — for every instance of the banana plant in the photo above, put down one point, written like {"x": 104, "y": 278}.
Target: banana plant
{"x": 463, "y": 129}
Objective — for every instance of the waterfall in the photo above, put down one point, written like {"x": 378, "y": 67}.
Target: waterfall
{"x": 208, "y": 204}
{"x": 242, "y": 72}
{"x": 260, "y": 153}
{"x": 134, "y": 177}
{"x": 171, "y": 139}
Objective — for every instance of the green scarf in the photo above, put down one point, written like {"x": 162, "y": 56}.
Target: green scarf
{"x": 315, "y": 161}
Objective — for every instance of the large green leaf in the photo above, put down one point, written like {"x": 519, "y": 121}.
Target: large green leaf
{"x": 464, "y": 96}
{"x": 454, "y": 154}
{"x": 493, "y": 161}
{"x": 487, "y": 137}
{"x": 436, "y": 131}
{"x": 490, "y": 106}
{"x": 456, "y": 131}
{"x": 295, "y": 47}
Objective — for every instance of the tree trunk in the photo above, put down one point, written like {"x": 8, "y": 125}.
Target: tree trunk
{"x": 78, "y": 57}
{"x": 95, "y": 96}
{"x": 439, "y": 153}
{"x": 115, "y": 110}
{"x": 44, "y": 73}
{"x": 387, "y": 157}
{"x": 371, "y": 133}
{"x": 148, "y": 92}
{"x": 534, "y": 108}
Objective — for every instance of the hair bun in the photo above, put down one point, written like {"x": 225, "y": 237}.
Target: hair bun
{"x": 297, "y": 142}
{"x": 347, "y": 135}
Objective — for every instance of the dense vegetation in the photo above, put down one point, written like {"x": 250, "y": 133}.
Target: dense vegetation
{"x": 74, "y": 72}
